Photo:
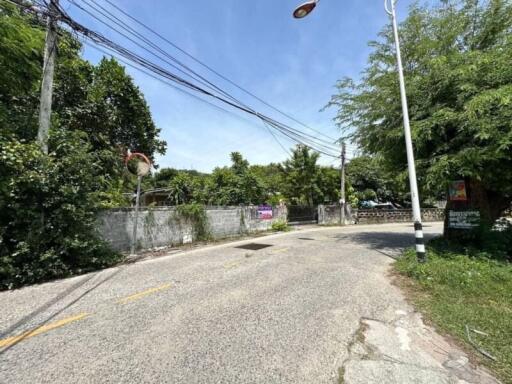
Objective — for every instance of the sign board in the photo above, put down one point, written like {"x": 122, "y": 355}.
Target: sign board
{"x": 458, "y": 191}
{"x": 265, "y": 212}
{"x": 463, "y": 219}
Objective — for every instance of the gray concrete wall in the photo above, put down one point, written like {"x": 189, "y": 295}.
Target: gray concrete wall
{"x": 375, "y": 216}
{"x": 330, "y": 215}
{"x": 162, "y": 227}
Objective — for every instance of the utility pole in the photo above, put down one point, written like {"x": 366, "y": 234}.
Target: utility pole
{"x": 342, "y": 201}
{"x": 45, "y": 107}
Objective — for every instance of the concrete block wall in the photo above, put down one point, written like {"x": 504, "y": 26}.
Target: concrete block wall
{"x": 330, "y": 215}
{"x": 163, "y": 226}
{"x": 375, "y": 216}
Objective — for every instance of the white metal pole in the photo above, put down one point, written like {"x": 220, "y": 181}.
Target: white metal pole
{"x": 136, "y": 218}
{"x": 342, "y": 201}
{"x": 420, "y": 245}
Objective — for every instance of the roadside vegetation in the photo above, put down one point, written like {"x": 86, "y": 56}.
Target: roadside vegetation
{"x": 49, "y": 202}
{"x": 469, "y": 285}
{"x": 459, "y": 83}
{"x": 280, "y": 226}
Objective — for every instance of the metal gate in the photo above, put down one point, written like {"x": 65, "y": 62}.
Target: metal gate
{"x": 298, "y": 214}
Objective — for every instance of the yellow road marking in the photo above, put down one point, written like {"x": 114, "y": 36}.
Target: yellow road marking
{"x": 42, "y": 329}
{"x": 142, "y": 294}
{"x": 282, "y": 250}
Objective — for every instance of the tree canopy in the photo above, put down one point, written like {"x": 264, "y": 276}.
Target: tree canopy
{"x": 459, "y": 84}
{"x": 49, "y": 201}
{"x": 298, "y": 181}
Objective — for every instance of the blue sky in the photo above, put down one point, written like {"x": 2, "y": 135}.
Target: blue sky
{"x": 292, "y": 64}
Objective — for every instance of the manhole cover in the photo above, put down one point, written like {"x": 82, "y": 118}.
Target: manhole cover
{"x": 306, "y": 238}
{"x": 254, "y": 246}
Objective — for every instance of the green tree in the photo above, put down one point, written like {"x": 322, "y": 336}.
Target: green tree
{"x": 49, "y": 202}
{"x": 237, "y": 184}
{"x": 301, "y": 175}
{"x": 273, "y": 181}
{"x": 371, "y": 180}
{"x": 49, "y": 205}
{"x": 181, "y": 189}
{"x": 114, "y": 113}
{"x": 21, "y": 46}
{"x": 239, "y": 165}
{"x": 162, "y": 178}
{"x": 459, "y": 82}
{"x": 328, "y": 181}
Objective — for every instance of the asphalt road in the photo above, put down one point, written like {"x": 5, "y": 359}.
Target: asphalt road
{"x": 283, "y": 314}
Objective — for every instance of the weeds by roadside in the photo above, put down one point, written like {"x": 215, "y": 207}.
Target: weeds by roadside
{"x": 280, "y": 226}
{"x": 459, "y": 288}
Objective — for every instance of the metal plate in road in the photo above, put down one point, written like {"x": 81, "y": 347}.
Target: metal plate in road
{"x": 254, "y": 246}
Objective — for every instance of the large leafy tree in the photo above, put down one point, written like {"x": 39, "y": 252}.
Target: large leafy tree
{"x": 273, "y": 180}
{"x": 101, "y": 100}
{"x": 49, "y": 202}
{"x": 459, "y": 82}
{"x": 236, "y": 185}
{"x": 372, "y": 181}
{"x": 113, "y": 111}
{"x": 49, "y": 205}
{"x": 301, "y": 175}
{"x": 21, "y": 46}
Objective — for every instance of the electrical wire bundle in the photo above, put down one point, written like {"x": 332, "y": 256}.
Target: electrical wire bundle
{"x": 182, "y": 77}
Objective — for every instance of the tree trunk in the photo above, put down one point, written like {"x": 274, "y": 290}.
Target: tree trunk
{"x": 490, "y": 204}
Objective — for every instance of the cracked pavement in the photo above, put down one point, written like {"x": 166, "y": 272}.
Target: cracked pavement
{"x": 316, "y": 302}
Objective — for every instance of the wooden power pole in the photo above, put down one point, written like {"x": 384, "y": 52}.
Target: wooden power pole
{"x": 342, "y": 201}
{"x": 45, "y": 107}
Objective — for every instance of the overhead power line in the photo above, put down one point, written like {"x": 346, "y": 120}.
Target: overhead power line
{"x": 190, "y": 94}
{"x": 99, "y": 39}
{"x": 312, "y": 141}
{"x": 225, "y": 78}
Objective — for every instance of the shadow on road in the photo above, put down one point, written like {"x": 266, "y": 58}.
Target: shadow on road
{"x": 26, "y": 319}
{"x": 390, "y": 244}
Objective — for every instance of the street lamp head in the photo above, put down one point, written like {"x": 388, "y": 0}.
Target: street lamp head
{"x": 304, "y": 9}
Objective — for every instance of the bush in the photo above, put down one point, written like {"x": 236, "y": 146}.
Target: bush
{"x": 280, "y": 226}
{"x": 490, "y": 241}
{"x": 196, "y": 214}
{"x": 49, "y": 205}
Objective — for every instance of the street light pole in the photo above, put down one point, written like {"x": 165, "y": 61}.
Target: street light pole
{"x": 305, "y": 9}
{"x": 416, "y": 210}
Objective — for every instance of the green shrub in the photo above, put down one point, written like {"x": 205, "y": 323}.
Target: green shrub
{"x": 487, "y": 241}
{"x": 280, "y": 226}
{"x": 196, "y": 214}
{"x": 49, "y": 205}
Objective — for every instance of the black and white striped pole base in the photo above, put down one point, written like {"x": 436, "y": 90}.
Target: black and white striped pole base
{"x": 420, "y": 243}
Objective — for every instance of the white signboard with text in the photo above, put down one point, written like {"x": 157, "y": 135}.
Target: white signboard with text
{"x": 463, "y": 219}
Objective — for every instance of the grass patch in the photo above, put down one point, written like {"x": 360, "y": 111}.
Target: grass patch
{"x": 458, "y": 287}
{"x": 280, "y": 226}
